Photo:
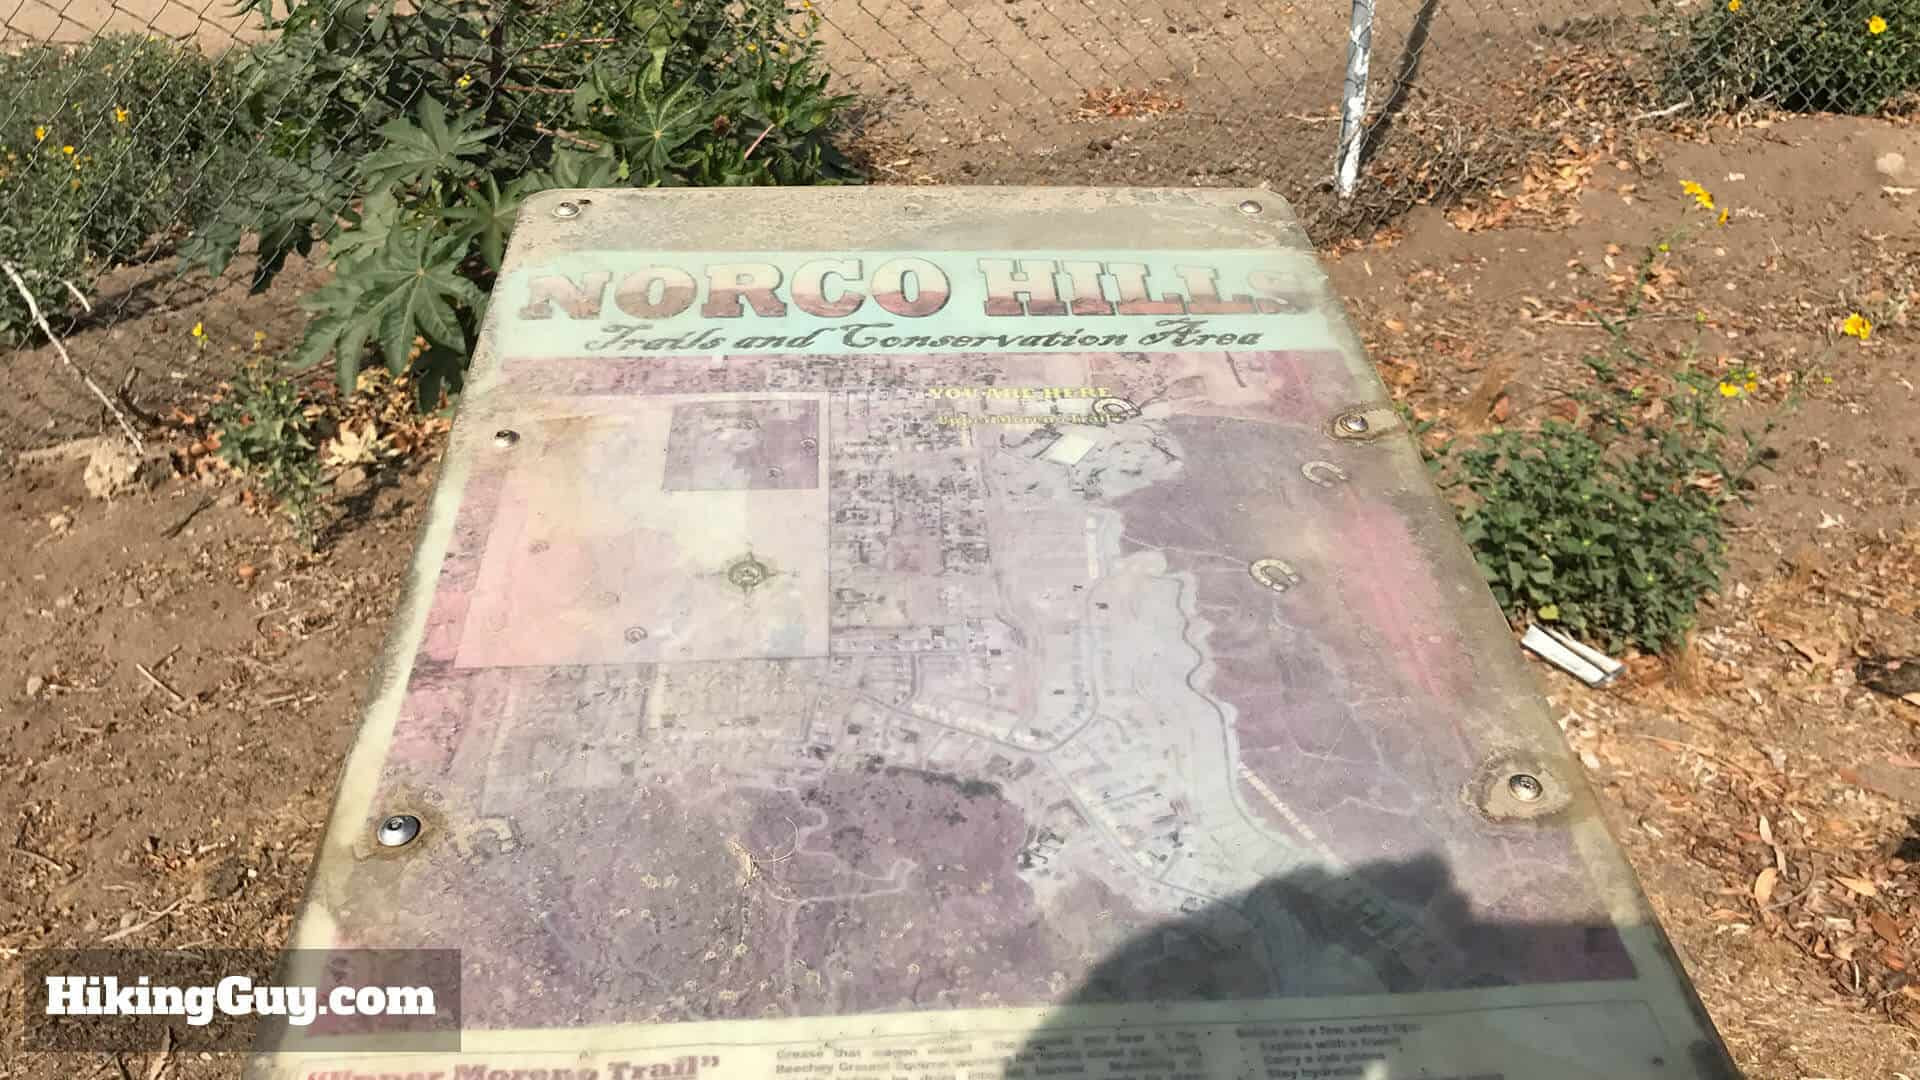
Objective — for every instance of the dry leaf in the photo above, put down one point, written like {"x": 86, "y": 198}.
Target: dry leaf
{"x": 1884, "y": 925}
{"x": 1864, "y": 888}
{"x": 354, "y": 447}
{"x": 1823, "y": 653}
{"x": 1763, "y": 884}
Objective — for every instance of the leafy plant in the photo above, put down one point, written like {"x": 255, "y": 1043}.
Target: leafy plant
{"x": 1849, "y": 56}
{"x": 266, "y": 433}
{"x": 405, "y": 137}
{"x": 102, "y": 144}
{"x": 1610, "y": 520}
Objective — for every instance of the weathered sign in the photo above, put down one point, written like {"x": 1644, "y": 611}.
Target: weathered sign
{"x": 965, "y": 635}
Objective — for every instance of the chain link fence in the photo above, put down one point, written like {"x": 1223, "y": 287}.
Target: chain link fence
{"x": 138, "y": 137}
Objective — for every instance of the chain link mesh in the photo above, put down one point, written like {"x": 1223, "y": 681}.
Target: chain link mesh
{"x": 1148, "y": 92}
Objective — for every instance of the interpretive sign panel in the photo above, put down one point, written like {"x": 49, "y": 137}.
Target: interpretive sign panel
{"x": 966, "y": 635}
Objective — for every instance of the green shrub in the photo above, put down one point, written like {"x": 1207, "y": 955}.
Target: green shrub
{"x": 406, "y": 140}
{"x": 1612, "y": 523}
{"x": 99, "y": 147}
{"x": 1846, "y": 56}
{"x": 267, "y": 436}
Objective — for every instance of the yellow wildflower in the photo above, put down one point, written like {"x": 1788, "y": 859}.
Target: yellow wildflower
{"x": 39, "y": 134}
{"x": 1724, "y": 214}
{"x": 463, "y": 82}
{"x": 120, "y": 116}
{"x": 1857, "y": 326}
{"x": 1729, "y": 390}
{"x": 199, "y": 331}
{"x": 751, "y": 47}
{"x": 259, "y": 338}
{"x": 1876, "y": 25}
{"x": 1733, "y": 5}
{"x": 1753, "y": 385}
{"x": 67, "y": 150}
{"x": 1700, "y": 195}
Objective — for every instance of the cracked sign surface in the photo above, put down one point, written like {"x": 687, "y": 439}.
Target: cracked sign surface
{"x": 813, "y": 688}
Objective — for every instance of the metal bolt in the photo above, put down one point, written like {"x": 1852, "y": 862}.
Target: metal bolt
{"x": 1249, "y": 208}
{"x": 1354, "y": 423}
{"x": 567, "y": 210}
{"x": 505, "y": 438}
{"x": 1526, "y": 788}
{"x": 398, "y": 830}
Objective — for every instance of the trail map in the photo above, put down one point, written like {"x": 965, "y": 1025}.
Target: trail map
{"x": 831, "y": 679}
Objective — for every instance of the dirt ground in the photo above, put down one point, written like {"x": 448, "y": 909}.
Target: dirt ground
{"x": 182, "y": 678}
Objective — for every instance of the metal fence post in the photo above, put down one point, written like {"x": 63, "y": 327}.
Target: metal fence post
{"x": 1353, "y": 100}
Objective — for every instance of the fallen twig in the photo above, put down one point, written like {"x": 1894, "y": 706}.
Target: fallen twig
{"x": 129, "y": 931}
{"x": 576, "y": 41}
{"x": 1658, "y": 113}
{"x": 572, "y": 138}
{"x": 166, "y": 1054}
{"x": 51, "y": 863}
{"x": 155, "y": 680}
{"x": 85, "y": 304}
{"x": 33, "y": 307}
{"x": 1675, "y": 744}
{"x": 756, "y": 143}
{"x": 125, "y": 395}
{"x": 180, "y": 526}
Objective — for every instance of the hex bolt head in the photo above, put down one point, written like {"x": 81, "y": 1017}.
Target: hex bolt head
{"x": 1525, "y": 787}
{"x": 1355, "y": 423}
{"x": 1250, "y": 208}
{"x": 397, "y": 830}
{"x": 566, "y": 210}
{"x": 505, "y": 438}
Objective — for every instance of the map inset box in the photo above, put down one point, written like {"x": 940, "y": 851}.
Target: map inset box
{"x": 589, "y": 561}
{"x": 744, "y": 446}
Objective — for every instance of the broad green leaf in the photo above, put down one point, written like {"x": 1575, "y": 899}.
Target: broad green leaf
{"x": 411, "y": 288}
{"x": 486, "y": 217}
{"x": 435, "y": 148}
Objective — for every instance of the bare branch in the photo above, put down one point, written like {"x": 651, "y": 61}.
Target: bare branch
{"x": 33, "y": 306}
